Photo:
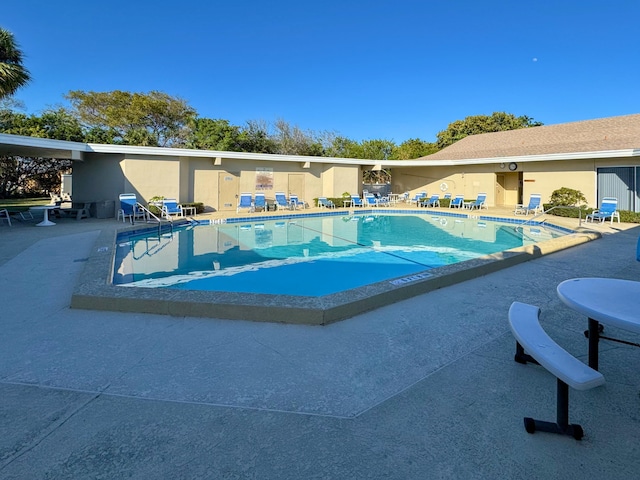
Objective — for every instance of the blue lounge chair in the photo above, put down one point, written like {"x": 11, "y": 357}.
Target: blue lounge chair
{"x": 479, "y": 203}
{"x": 419, "y": 196}
{"x": 356, "y": 201}
{"x": 245, "y": 201}
{"x": 129, "y": 207}
{"x": 323, "y": 202}
{"x": 295, "y": 202}
{"x": 608, "y": 209}
{"x": 259, "y": 203}
{"x": 370, "y": 200}
{"x": 434, "y": 201}
{"x": 534, "y": 205}
{"x": 457, "y": 202}
{"x": 383, "y": 201}
{"x": 281, "y": 200}
{"x": 171, "y": 208}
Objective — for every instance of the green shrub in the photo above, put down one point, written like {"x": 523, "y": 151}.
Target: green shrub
{"x": 445, "y": 202}
{"x": 568, "y": 196}
{"x": 570, "y": 212}
{"x": 629, "y": 217}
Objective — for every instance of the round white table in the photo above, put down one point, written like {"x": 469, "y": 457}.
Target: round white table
{"x": 45, "y": 208}
{"x": 610, "y": 301}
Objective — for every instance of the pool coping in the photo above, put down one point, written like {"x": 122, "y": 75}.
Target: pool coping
{"x": 94, "y": 290}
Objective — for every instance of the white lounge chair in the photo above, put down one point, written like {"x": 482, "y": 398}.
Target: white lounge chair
{"x": 171, "y": 208}
{"x": 245, "y": 201}
{"x": 608, "y": 209}
{"x": 4, "y": 215}
{"x": 533, "y": 206}
{"x": 129, "y": 207}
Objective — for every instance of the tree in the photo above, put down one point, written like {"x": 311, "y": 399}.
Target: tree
{"x": 291, "y": 140}
{"x": 343, "y": 147}
{"x": 209, "y": 134}
{"x": 146, "y": 119}
{"x": 34, "y": 176}
{"x": 414, "y": 148}
{"x": 255, "y": 138}
{"x": 13, "y": 74}
{"x": 473, "y": 125}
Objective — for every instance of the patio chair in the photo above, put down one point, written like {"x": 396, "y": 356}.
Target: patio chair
{"x": 534, "y": 205}
{"x": 245, "y": 201}
{"x": 129, "y": 207}
{"x": 323, "y": 202}
{"x": 80, "y": 212}
{"x": 370, "y": 200}
{"x": 419, "y": 196}
{"x": 281, "y": 200}
{"x": 170, "y": 208}
{"x": 457, "y": 202}
{"x": 295, "y": 202}
{"x": 4, "y": 215}
{"x": 608, "y": 209}
{"x": 259, "y": 203}
{"x": 479, "y": 203}
{"x": 356, "y": 201}
{"x": 434, "y": 201}
{"x": 383, "y": 201}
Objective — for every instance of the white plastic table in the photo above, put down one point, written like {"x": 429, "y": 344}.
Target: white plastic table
{"x": 45, "y": 208}
{"x": 609, "y": 301}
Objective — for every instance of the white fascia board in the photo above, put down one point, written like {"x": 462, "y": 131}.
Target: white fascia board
{"x": 45, "y": 143}
{"x": 187, "y": 152}
{"x": 520, "y": 158}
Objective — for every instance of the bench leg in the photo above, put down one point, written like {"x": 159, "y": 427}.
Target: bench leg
{"x": 562, "y": 425}
{"x": 522, "y": 357}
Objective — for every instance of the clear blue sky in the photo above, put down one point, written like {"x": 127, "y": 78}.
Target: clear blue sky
{"x": 394, "y": 69}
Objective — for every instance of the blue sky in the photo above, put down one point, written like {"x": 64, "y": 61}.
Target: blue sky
{"x": 363, "y": 69}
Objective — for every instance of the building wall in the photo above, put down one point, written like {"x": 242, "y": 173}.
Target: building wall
{"x": 338, "y": 179}
{"x": 469, "y": 180}
{"x": 472, "y": 180}
{"x": 99, "y": 177}
{"x": 545, "y": 177}
{"x": 151, "y": 176}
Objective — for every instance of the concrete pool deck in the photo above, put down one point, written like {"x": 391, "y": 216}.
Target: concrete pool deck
{"x": 424, "y": 388}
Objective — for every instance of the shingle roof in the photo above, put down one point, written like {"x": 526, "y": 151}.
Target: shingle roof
{"x": 613, "y": 133}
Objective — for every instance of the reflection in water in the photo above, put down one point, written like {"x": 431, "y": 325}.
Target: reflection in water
{"x": 311, "y": 256}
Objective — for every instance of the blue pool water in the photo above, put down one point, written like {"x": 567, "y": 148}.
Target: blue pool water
{"x": 310, "y": 256}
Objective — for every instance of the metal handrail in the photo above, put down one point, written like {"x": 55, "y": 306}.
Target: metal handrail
{"x": 159, "y": 220}
{"x": 547, "y": 211}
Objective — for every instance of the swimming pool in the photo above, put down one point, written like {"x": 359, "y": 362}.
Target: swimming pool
{"x": 312, "y": 256}
{"x": 96, "y": 290}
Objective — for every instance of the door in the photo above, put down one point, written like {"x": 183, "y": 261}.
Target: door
{"x": 500, "y": 187}
{"x": 296, "y": 185}
{"x": 227, "y": 191}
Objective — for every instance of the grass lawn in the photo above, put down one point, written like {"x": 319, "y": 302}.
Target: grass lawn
{"x": 22, "y": 204}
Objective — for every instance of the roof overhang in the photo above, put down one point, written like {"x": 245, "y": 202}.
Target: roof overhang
{"x": 548, "y": 157}
{"x": 41, "y": 147}
{"x": 48, "y": 148}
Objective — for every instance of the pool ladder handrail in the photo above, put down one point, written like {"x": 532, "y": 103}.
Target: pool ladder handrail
{"x": 543, "y": 212}
{"x": 150, "y": 214}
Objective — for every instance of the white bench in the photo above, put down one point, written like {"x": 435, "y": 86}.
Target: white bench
{"x": 541, "y": 349}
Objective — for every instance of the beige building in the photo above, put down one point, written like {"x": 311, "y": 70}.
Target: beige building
{"x": 598, "y": 157}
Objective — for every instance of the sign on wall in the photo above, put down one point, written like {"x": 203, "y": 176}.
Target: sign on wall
{"x": 264, "y": 178}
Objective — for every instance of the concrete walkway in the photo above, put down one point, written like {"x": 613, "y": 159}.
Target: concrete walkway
{"x": 425, "y": 388}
